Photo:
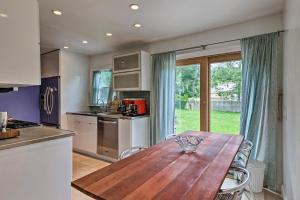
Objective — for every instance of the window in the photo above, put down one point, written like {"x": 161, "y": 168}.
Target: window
{"x": 101, "y": 87}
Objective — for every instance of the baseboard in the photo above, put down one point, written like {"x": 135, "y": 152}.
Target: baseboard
{"x": 104, "y": 158}
{"x": 283, "y": 193}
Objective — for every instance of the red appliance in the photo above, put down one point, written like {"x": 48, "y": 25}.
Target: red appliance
{"x": 135, "y": 106}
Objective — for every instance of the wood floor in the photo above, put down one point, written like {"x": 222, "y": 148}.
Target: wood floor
{"x": 83, "y": 165}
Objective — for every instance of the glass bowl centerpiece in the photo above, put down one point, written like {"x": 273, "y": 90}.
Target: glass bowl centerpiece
{"x": 188, "y": 143}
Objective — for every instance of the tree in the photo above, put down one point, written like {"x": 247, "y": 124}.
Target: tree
{"x": 226, "y": 79}
{"x": 187, "y": 84}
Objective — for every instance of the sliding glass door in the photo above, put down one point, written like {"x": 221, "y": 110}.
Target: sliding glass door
{"x": 208, "y": 94}
{"x": 225, "y": 96}
{"x": 187, "y": 99}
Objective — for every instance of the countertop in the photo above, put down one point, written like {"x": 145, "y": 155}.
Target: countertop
{"x": 116, "y": 116}
{"x": 34, "y": 135}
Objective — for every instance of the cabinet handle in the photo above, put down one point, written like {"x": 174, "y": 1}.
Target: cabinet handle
{"x": 107, "y": 122}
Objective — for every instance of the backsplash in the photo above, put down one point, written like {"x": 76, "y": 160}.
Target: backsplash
{"x": 137, "y": 94}
{"x": 23, "y": 104}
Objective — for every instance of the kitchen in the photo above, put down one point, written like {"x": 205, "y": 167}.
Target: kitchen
{"x": 89, "y": 103}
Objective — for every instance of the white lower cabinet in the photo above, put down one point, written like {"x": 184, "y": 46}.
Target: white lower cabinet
{"x": 85, "y": 128}
{"x": 134, "y": 132}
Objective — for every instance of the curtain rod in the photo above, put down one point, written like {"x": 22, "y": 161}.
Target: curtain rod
{"x": 215, "y": 43}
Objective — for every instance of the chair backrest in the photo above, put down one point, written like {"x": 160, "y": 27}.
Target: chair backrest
{"x": 246, "y": 147}
{"x": 130, "y": 151}
{"x": 234, "y": 184}
{"x": 240, "y": 160}
{"x": 243, "y": 155}
{"x": 170, "y": 136}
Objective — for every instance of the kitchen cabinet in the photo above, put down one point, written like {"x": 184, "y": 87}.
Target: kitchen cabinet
{"x": 134, "y": 132}
{"x": 85, "y": 128}
{"x": 20, "y": 48}
{"x": 132, "y": 72}
{"x": 39, "y": 171}
{"x": 50, "y": 64}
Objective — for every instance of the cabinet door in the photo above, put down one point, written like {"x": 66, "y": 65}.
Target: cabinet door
{"x": 86, "y": 134}
{"x": 140, "y": 132}
{"x": 127, "y": 81}
{"x": 126, "y": 63}
{"x": 19, "y": 43}
{"x": 124, "y": 134}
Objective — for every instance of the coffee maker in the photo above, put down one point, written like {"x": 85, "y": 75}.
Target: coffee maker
{"x": 133, "y": 107}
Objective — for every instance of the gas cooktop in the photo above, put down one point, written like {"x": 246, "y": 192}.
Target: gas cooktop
{"x": 16, "y": 124}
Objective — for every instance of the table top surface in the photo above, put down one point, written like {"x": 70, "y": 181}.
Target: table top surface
{"x": 164, "y": 172}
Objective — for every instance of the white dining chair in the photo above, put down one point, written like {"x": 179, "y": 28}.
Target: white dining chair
{"x": 234, "y": 184}
{"x": 130, "y": 151}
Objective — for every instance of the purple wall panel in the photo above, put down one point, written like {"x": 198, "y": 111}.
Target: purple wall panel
{"x": 23, "y": 104}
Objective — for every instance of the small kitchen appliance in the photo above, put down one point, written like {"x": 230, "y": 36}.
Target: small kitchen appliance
{"x": 133, "y": 107}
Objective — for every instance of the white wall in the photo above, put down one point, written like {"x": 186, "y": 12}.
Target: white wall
{"x": 74, "y": 73}
{"x": 250, "y": 28}
{"x": 246, "y": 29}
{"x": 291, "y": 81}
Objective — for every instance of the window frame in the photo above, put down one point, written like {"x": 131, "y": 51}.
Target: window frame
{"x": 91, "y": 83}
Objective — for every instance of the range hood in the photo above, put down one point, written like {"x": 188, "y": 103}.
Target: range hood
{"x": 9, "y": 89}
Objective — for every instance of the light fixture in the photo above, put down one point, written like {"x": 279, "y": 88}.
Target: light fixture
{"x": 137, "y": 25}
{"x": 66, "y": 47}
{"x": 84, "y": 42}
{"x": 3, "y": 15}
{"x": 57, "y": 12}
{"x": 108, "y": 34}
{"x": 134, "y": 6}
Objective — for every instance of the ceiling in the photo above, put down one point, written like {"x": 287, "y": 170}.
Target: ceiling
{"x": 161, "y": 19}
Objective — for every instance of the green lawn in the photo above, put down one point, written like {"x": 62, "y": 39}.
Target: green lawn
{"x": 222, "y": 122}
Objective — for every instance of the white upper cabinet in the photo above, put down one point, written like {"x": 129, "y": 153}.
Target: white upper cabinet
{"x": 132, "y": 72}
{"x": 50, "y": 64}
{"x": 19, "y": 43}
{"x": 128, "y": 62}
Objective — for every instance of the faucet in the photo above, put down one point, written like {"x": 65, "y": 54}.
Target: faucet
{"x": 103, "y": 104}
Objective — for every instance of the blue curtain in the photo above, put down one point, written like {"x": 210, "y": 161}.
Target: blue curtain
{"x": 259, "y": 116}
{"x": 163, "y": 94}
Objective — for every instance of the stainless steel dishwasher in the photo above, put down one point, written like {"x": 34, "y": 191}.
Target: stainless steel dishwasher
{"x": 107, "y": 144}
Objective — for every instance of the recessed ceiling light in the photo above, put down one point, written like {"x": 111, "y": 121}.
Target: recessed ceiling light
{"x": 66, "y": 47}
{"x": 134, "y": 6}
{"x": 84, "y": 42}
{"x": 109, "y": 34}
{"x": 57, "y": 12}
{"x": 3, "y": 15}
{"x": 137, "y": 25}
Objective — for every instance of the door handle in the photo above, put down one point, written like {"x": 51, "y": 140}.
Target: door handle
{"x": 107, "y": 122}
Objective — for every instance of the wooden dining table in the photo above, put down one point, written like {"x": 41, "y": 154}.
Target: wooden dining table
{"x": 163, "y": 171}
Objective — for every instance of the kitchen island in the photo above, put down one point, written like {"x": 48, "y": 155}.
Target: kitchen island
{"x": 36, "y": 165}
